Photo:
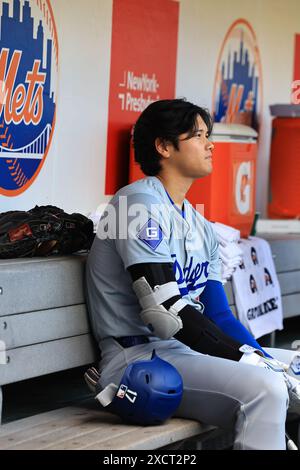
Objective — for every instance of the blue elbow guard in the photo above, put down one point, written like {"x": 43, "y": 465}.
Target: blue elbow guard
{"x": 217, "y": 309}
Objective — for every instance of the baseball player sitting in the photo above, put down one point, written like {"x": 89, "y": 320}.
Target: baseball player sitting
{"x": 153, "y": 282}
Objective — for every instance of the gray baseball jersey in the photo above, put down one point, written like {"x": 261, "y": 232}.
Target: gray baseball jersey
{"x": 142, "y": 225}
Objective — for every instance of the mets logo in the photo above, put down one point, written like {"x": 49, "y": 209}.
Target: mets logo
{"x": 28, "y": 77}
{"x": 237, "y": 95}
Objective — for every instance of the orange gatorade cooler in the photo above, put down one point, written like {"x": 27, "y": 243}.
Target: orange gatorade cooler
{"x": 228, "y": 194}
{"x": 284, "y": 199}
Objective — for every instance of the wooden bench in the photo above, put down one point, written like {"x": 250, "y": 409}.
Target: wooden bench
{"x": 44, "y": 325}
{"x": 87, "y": 427}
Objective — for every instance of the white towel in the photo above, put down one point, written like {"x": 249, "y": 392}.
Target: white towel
{"x": 226, "y": 273}
{"x": 257, "y": 290}
{"x": 225, "y": 233}
{"x": 230, "y": 251}
{"x": 233, "y": 263}
{"x": 231, "y": 254}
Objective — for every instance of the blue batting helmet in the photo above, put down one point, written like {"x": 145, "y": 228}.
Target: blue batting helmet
{"x": 150, "y": 391}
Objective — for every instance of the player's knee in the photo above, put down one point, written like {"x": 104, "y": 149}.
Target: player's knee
{"x": 276, "y": 389}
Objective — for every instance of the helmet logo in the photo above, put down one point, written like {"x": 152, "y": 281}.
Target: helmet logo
{"x": 124, "y": 391}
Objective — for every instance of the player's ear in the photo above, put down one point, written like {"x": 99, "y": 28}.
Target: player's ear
{"x": 162, "y": 147}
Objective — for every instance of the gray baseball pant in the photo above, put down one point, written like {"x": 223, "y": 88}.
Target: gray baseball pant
{"x": 251, "y": 400}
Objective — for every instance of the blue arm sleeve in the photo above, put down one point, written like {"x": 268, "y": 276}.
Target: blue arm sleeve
{"x": 217, "y": 309}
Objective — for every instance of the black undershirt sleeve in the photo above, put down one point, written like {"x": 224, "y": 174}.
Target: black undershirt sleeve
{"x": 198, "y": 332}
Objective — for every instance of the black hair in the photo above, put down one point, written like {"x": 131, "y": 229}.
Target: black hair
{"x": 267, "y": 272}
{"x": 254, "y": 255}
{"x": 253, "y": 289}
{"x": 166, "y": 120}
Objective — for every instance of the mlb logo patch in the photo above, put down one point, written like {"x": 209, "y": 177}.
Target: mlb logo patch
{"x": 122, "y": 391}
{"x": 151, "y": 234}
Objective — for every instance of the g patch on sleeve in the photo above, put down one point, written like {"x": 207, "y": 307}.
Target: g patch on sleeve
{"x": 151, "y": 234}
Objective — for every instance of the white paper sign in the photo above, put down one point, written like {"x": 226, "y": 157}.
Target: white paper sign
{"x": 256, "y": 288}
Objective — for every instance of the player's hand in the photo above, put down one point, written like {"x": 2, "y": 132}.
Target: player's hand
{"x": 292, "y": 384}
{"x": 294, "y": 367}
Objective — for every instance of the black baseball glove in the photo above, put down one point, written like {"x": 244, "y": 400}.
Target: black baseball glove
{"x": 42, "y": 231}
